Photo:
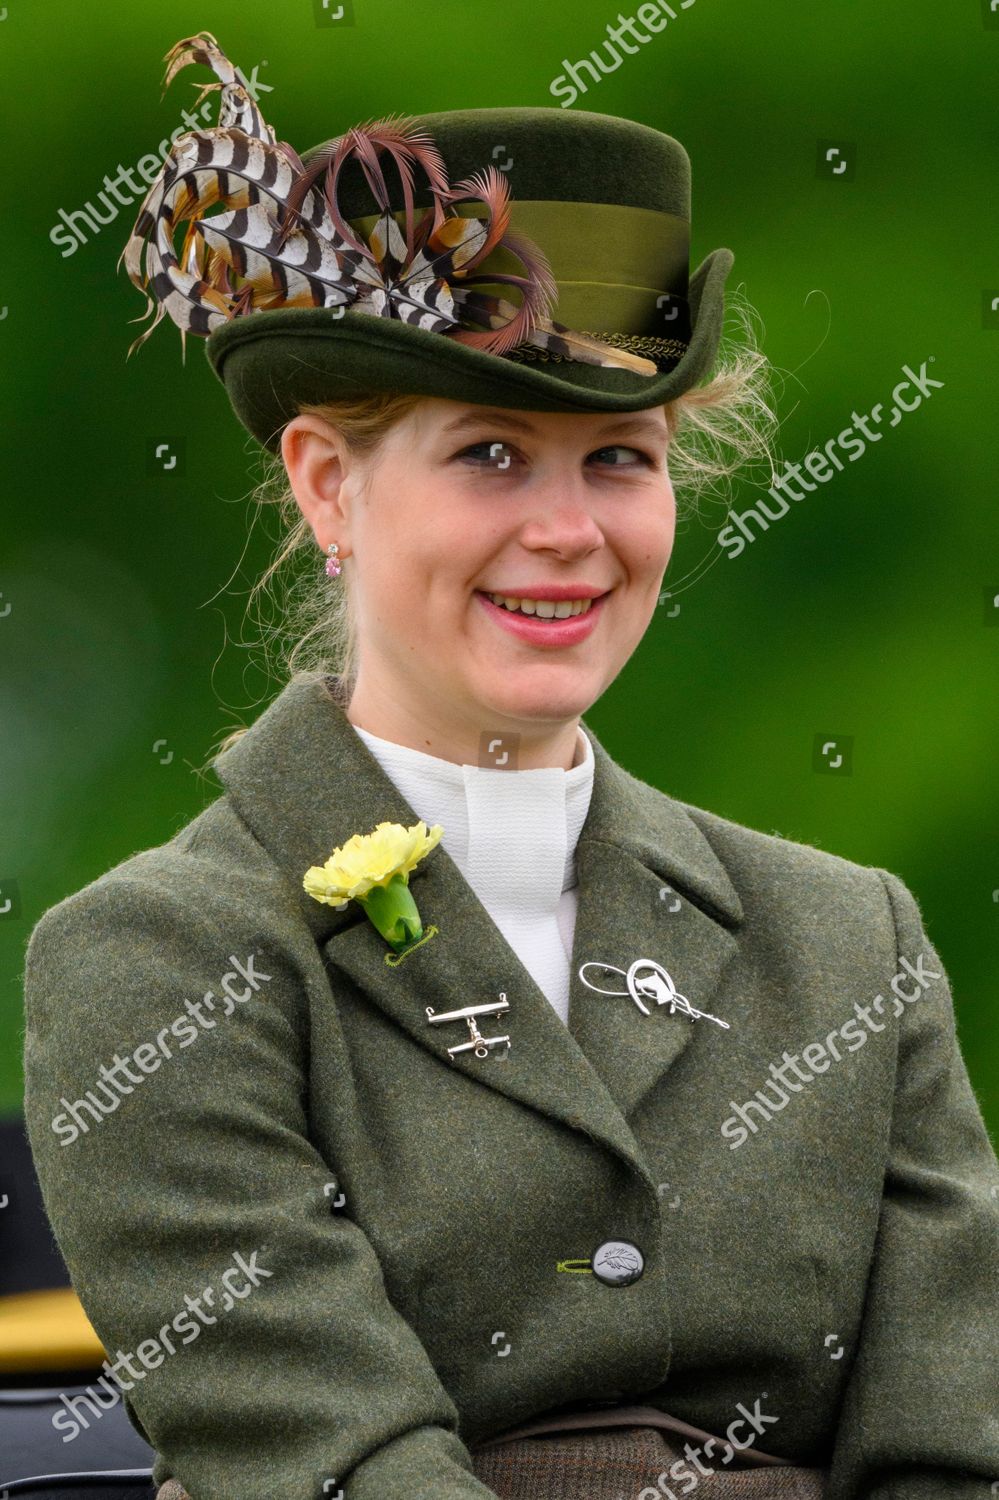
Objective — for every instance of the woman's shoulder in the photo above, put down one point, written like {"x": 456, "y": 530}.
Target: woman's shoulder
{"x": 796, "y": 897}
{"x": 772, "y": 869}
{"x": 210, "y": 877}
{"x": 769, "y": 848}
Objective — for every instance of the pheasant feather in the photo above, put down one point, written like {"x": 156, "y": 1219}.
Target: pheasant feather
{"x": 282, "y": 239}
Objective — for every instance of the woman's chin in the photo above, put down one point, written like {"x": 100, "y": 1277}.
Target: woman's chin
{"x": 545, "y": 691}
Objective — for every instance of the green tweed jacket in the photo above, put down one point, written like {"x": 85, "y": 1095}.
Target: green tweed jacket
{"x": 324, "y": 1253}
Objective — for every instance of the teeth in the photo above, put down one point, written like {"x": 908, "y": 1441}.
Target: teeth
{"x": 544, "y": 609}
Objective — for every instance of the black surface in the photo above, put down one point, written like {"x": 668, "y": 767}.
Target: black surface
{"x": 107, "y": 1457}
{"x": 29, "y": 1256}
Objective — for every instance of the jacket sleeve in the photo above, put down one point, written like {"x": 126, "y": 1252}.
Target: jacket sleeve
{"x": 248, "y": 1322}
{"x": 920, "y": 1417}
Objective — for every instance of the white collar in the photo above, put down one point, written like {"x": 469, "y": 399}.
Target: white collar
{"x": 513, "y": 834}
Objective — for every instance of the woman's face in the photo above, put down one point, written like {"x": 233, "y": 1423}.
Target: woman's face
{"x": 462, "y": 501}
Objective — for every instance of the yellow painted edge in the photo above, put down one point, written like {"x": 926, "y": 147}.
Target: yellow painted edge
{"x": 46, "y": 1330}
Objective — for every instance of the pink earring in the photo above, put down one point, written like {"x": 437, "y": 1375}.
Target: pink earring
{"x": 333, "y": 562}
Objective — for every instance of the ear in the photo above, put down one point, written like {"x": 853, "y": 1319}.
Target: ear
{"x": 319, "y": 464}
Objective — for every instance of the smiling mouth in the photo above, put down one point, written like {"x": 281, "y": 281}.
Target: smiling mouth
{"x": 543, "y": 609}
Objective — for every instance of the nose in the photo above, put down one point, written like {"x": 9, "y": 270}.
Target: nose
{"x": 561, "y": 517}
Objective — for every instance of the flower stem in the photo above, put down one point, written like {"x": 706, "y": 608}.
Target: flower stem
{"x": 393, "y": 912}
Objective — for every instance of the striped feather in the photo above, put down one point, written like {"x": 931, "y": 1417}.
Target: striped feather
{"x": 561, "y": 340}
{"x": 495, "y": 312}
{"x": 309, "y": 271}
{"x": 282, "y": 240}
{"x": 237, "y": 107}
{"x": 224, "y": 166}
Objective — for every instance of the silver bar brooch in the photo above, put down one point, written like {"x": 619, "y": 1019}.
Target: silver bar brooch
{"x": 479, "y": 1044}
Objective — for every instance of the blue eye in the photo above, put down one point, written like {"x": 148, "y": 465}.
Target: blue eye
{"x": 492, "y": 454}
{"x": 622, "y": 448}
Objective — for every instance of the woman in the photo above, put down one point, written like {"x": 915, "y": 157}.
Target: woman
{"x": 610, "y": 1148}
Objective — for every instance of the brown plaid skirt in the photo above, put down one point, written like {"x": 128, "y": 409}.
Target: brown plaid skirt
{"x": 622, "y": 1454}
{"x": 626, "y": 1453}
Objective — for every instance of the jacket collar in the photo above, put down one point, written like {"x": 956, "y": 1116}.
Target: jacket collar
{"x": 650, "y": 886}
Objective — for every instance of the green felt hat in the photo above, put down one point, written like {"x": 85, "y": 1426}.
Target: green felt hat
{"x": 605, "y": 200}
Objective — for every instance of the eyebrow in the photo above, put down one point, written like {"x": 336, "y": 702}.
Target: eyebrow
{"x": 498, "y": 417}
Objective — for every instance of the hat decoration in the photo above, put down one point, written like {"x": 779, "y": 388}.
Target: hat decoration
{"x": 284, "y": 242}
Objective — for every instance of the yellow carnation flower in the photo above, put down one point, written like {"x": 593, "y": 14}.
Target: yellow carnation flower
{"x": 374, "y": 868}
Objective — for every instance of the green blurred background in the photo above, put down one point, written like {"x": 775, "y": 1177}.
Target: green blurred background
{"x": 866, "y": 612}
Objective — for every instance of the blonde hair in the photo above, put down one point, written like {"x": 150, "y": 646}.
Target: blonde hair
{"x": 715, "y": 430}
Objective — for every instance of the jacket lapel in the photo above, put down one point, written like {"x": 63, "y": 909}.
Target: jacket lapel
{"x": 650, "y": 886}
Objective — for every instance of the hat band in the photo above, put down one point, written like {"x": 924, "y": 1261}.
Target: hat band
{"x": 618, "y": 268}
{"x": 665, "y": 352}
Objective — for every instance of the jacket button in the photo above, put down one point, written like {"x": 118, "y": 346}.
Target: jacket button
{"x": 618, "y": 1263}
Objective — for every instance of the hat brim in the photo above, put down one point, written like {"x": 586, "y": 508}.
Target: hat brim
{"x": 271, "y": 363}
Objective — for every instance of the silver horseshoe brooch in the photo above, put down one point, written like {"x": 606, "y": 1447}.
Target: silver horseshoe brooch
{"x": 656, "y": 985}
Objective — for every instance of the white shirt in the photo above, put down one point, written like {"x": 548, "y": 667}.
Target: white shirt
{"x": 513, "y": 835}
